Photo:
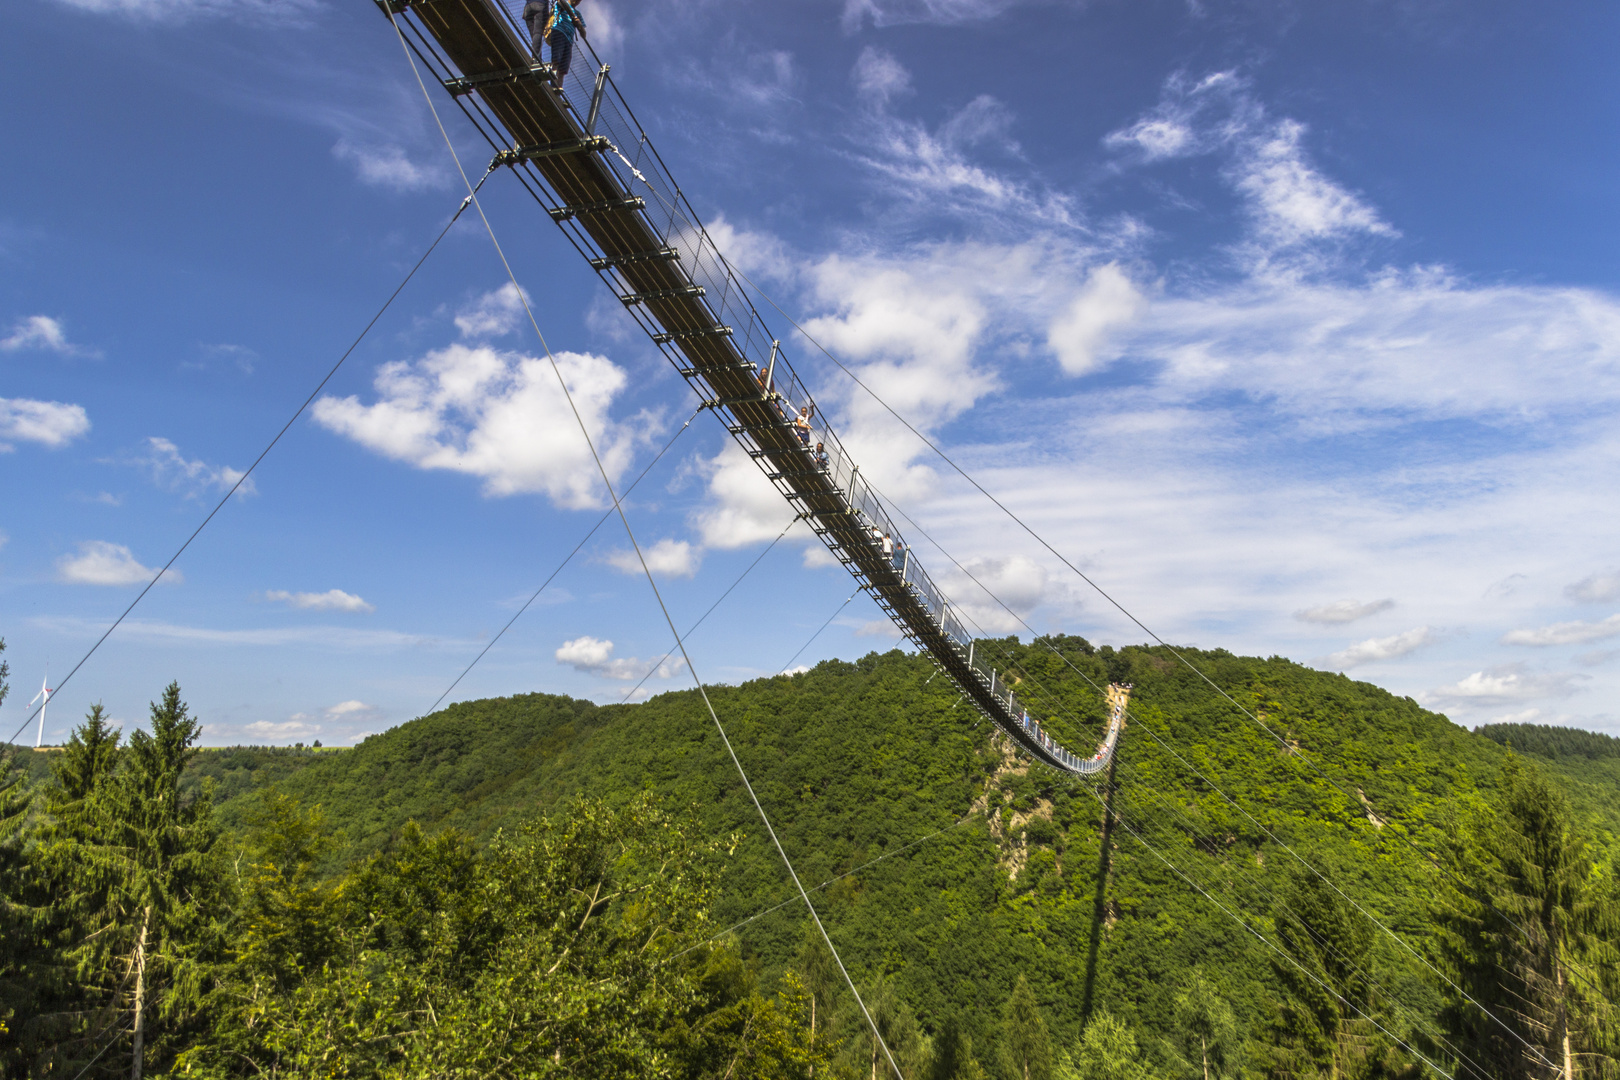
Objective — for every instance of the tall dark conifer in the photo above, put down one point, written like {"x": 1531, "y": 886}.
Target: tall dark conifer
{"x": 1531, "y": 939}
{"x": 1026, "y": 1045}
{"x": 138, "y": 861}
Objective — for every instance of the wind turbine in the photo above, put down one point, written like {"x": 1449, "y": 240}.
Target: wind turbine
{"x": 45, "y": 692}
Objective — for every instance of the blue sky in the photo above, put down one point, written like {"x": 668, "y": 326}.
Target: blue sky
{"x": 1295, "y": 324}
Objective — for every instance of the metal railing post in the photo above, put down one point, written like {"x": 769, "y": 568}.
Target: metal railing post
{"x": 596, "y": 100}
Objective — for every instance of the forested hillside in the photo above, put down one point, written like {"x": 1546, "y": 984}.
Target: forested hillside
{"x": 1002, "y": 921}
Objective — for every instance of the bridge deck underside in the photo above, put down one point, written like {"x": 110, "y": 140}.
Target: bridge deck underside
{"x": 477, "y": 39}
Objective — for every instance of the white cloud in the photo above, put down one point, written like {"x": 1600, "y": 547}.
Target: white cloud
{"x": 302, "y": 726}
{"x": 879, "y": 628}
{"x": 743, "y": 507}
{"x": 1595, "y": 589}
{"x": 496, "y": 415}
{"x": 42, "y": 332}
{"x": 295, "y": 12}
{"x": 1504, "y": 685}
{"x": 349, "y": 711}
{"x": 1565, "y": 633}
{"x": 1524, "y": 716}
{"x": 388, "y": 166}
{"x": 667, "y": 558}
{"x": 321, "y": 637}
{"x": 1081, "y": 333}
{"x": 878, "y": 76}
{"x": 798, "y": 669}
{"x": 49, "y": 423}
{"x": 1386, "y": 648}
{"x": 296, "y": 726}
{"x": 595, "y": 657}
{"x": 1018, "y": 581}
{"x": 493, "y": 314}
{"x": 330, "y": 600}
{"x": 1343, "y": 611}
{"x": 102, "y": 563}
{"x": 169, "y": 469}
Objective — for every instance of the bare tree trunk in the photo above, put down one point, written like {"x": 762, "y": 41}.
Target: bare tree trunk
{"x": 140, "y": 997}
{"x": 1203, "y": 1045}
{"x": 1563, "y": 1016}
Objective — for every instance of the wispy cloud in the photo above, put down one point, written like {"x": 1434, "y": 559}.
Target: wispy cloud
{"x": 285, "y": 12}
{"x": 883, "y": 13}
{"x": 1595, "y": 588}
{"x": 1386, "y": 648}
{"x": 879, "y": 77}
{"x": 324, "y": 637}
{"x": 1565, "y": 633}
{"x": 44, "y": 333}
{"x": 170, "y": 469}
{"x": 389, "y": 166}
{"x": 594, "y": 656}
{"x": 100, "y": 562}
{"x": 1289, "y": 201}
{"x": 49, "y": 423}
{"x": 330, "y": 600}
{"x": 1343, "y": 611}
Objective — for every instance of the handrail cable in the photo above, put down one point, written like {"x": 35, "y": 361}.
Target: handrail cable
{"x": 618, "y": 506}
{"x": 270, "y": 446}
{"x": 1047, "y": 642}
{"x": 566, "y": 560}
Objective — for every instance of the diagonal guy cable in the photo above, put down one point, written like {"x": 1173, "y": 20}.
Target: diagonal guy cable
{"x": 823, "y": 626}
{"x": 1400, "y": 832}
{"x": 568, "y": 559}
{"x": 1329, "y": 882}
{"x": 629, "y": 532}
{"x": 729, "y": 590}
{"x": 1258, "y": 936}
{"x": 830, "y": 881}
{"x": 284, "y": 428}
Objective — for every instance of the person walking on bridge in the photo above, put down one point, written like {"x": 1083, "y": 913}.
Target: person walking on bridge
{"x": 554, "y": 21}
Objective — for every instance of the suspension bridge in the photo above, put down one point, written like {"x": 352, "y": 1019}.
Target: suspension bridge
{"x": 575, "y": 144}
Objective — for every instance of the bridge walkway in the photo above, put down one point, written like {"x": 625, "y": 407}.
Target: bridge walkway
{"x": 581, "y": 152}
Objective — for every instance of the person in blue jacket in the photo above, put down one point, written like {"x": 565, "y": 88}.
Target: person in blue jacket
{"x": 556, "y": 22}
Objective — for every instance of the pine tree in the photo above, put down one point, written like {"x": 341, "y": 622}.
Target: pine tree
{"x": 1531, "y": 938}
{"x": 953, "y": 1055}
{"x": 138, "y": 862}
{"x": 89, "y": 758}
{"x": 1107, "y": 1051}
{"x": 1208, "y": 1043}
{"x": 1026, "y": 1045}
{"x": 819, "y": 975}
